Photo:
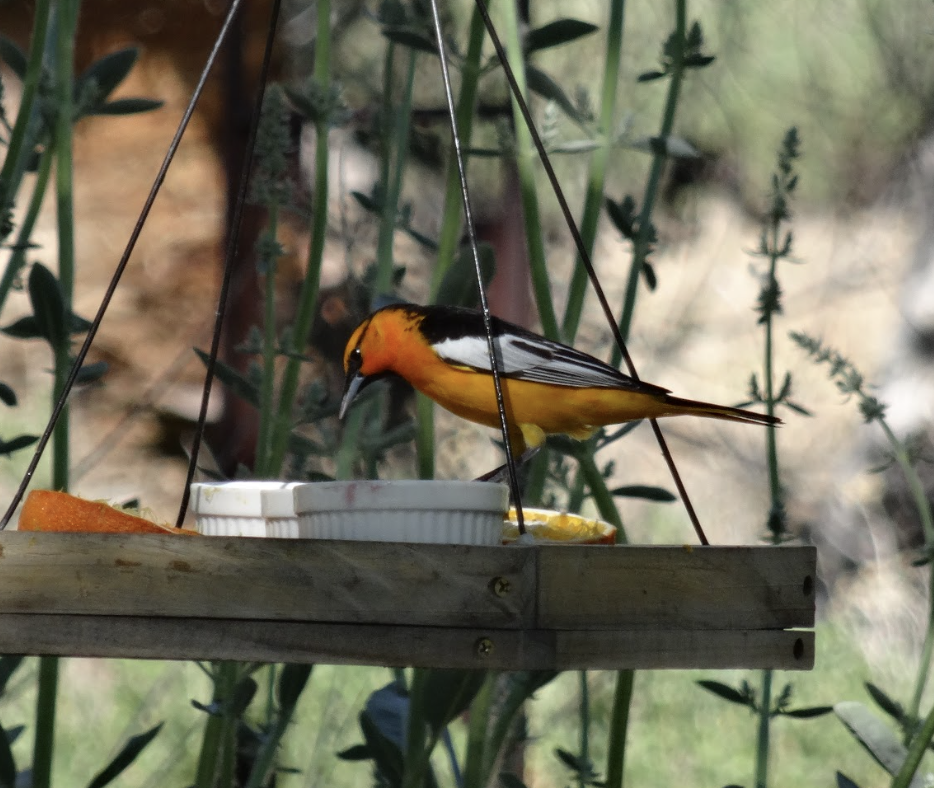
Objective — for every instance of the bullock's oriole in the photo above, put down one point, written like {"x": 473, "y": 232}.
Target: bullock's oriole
{"x": 548, "y": 388}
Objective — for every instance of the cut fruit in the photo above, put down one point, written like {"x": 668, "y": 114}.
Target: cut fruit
{"x": 543, "y": 525}
{"x": 47, "y": 510}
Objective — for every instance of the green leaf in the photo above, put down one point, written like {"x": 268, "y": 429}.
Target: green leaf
{"x": 242, "y": 697}
{"x": 109, "y": 71}
{"x": 91, "y": 373}
{"x": 539, "y": 82}
{"x": 24, "y": 328}
{"x": 386, "y": 754}
{"x": 568, "y": 759}
{"x": 727, "y": 693}
{"x": 124, "y": 758}
{"x": 408, "y": 37}
{"x": 48, "y": 305}
{"x": 358, "y": 752}
{"x": 879, "y": 740}
{"x": 807, "y": 713}
{"x": 8, "y": 665}
{"x": 845, "y": 782}
{"x": 561, "y": 31}
{"x": 623, "y": 215}
{"x": 7, "y": 395}
{"x": 648, "y": 272}
{"x": 126, "y": 106}
{"x": 891, "y": 707}
{"x": 797, "y": 408}
{"x": 507, "y": 780}
{"x": 7, "y": 764}
{"x": 391, "y": 12}
{"x": 17, "y": 443}
{"x": 292, "y": 681}
{"x": 78, "y": 325}
{"x": 14, "y": 57}
{"x": 698, "y": 61}
{"x": 459, "y": 285}
{"x": 234, "y": 380}
{"x": 645, "y": 491}
{"x": 368, "y": 203}
{"x": 448, "y": 693}
{"x": 301, "y": 444}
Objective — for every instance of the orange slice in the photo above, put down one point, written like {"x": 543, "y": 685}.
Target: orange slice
{"x": 46, "y": 510}
{"x": 558, "y": 528}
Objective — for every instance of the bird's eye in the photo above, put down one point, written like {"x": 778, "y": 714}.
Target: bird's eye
{"x": 356, "y": 354}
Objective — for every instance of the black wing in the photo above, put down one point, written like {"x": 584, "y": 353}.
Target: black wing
{"x": 458, "y": 337}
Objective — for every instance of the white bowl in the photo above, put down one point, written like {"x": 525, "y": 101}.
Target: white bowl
{"x": 450, "y": 512}
{"x": 244, "y": 508}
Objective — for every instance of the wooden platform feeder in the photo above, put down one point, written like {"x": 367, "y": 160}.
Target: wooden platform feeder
{"x": 559, "y": 607}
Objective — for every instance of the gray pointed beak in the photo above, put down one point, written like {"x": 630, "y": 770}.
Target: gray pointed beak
{"x": 355, "y": 382}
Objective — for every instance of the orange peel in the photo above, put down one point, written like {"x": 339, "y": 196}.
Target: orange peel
{"x": 550, "y": 527}
{"x": 47, "y": 510}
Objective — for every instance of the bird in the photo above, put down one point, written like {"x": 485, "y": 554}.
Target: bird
{"x": 548, "y": 388}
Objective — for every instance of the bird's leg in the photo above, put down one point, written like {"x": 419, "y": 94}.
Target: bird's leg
{"x": 500, "y": 474}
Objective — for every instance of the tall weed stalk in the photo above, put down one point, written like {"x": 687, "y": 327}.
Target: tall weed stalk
{"x": 901, "y": 756}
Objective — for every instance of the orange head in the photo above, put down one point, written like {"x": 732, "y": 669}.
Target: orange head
{"x": 371, "y": 351}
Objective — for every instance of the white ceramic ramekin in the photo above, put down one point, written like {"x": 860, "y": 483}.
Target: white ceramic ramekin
{"x": 244, "y": 508}
{"x": 450, "y": 512}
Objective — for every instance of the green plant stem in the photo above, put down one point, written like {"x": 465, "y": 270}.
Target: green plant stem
{"x": 922, "y": 504}
{"x": 641, "y": 245}
{"x": 416, "y": 756}
{"x": 392, "y": 191}
{"x": 584, "y": 714}
{"x": 66, "y": 22}
{"x": 262, "y": 468}
{"x": 477, "y": 733}
{"x": 45, "y": 722}
{"x": 308, "y": 297}
{"x": 425, "y": 436}
{"x": 525, "y": 164}
{"x": 593, "y": 202}
{"x": 762, "y": 735}
{"x": 452, "y": 220}
{"x": 916, "y": 751}
{"x": 18, "y": 258}
{"x": 775, "y": 495}
{"x": 67, "y": 18}
{"x": 536, "y": 479}
{"x": 278, "y": 724}
{"x": 927, "y": 522}
{"x": 217, "y": 729}
{"x": 775, "y": 489}
{"x": 22, "y": 136}
{"x": 619, "y": 724}
{"x": 349, "y": 449}
{"x": 601, "y": 495}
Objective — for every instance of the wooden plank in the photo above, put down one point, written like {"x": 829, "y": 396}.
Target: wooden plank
{"x": 279, "y": 579}
{"x": 291, "y": 641}
{"x": 686, "y": 588}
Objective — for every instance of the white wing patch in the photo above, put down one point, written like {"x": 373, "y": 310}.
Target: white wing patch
{"x": 534, "y": 359}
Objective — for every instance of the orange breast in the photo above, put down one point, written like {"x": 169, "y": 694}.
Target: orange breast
{"x": 555, "y": 409}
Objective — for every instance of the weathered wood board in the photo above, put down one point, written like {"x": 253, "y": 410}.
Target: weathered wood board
{"x": 157, "y": 597}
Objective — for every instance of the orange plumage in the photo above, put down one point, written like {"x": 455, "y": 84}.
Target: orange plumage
{"x": 548, "y": 388}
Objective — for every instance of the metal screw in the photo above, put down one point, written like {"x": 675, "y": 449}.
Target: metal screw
{"x": 500, "y": 586}
{"x": 483, "y": 647}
